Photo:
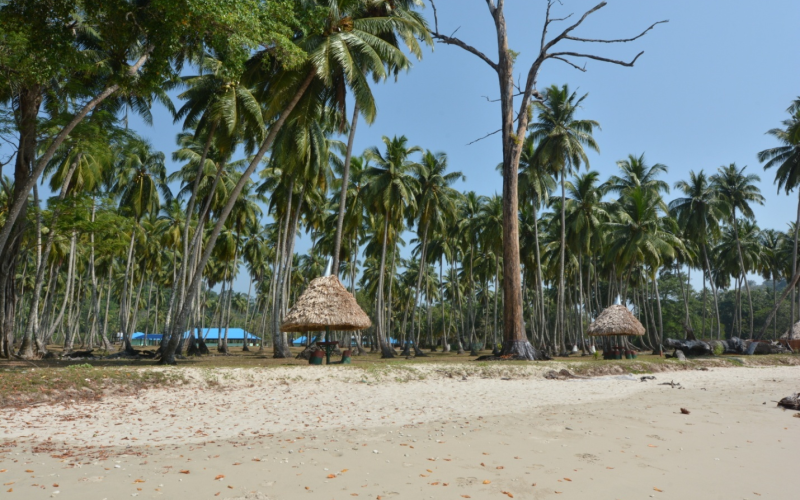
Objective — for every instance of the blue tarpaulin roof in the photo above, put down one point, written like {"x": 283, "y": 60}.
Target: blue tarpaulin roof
{"x": 233, "y": 334}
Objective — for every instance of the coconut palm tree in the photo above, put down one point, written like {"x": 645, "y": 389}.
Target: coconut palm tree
{"x": 140, "y": 183}
{"x": 436, "y": 207}
{"x": 640, "y": 236}
{"x": 786, "y": 158}
{"x": 699, "y": 214}
{"x": 391, "y": 191}
{"x": 562, "y": 140}
{"x": 411, "y": 28}
{"x": 737, "y": 191}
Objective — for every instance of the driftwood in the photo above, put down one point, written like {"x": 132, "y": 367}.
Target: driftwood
{"x": 790, "y": 402}
{"x": 80, "y": 354}
{"x": 689, "y": 347}
{"x": 561, "y": 375}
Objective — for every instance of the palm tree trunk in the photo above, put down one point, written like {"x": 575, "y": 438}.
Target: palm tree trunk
{"x": 794, "y": 259}
{"x": 539, "y": 281}
{"x": 123, "y": 302}
{"x": 560, "y": 313}
{"x": 495, "y": 350}
{"x": 415, "y": 292}
{"x": 386, "y": 350}
{"x": 445, "y": 344}
{"x": 713, "y": 291}
{"x": 343, "y": 196}
{"x": 744, "y": 272}
{"x": 658, "y": 309}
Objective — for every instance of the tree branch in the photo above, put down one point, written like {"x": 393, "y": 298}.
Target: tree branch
{"x": 621, "y": 40}
{"x": 567, "y": 31}
{"x": 469, "y": 48}
{"x": 558, "y": 55}
{"x": 571, "y": 63}
{"x": 485, "y": 136}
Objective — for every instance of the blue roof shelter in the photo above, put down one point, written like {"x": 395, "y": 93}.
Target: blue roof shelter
{"x": 235, "y": 336}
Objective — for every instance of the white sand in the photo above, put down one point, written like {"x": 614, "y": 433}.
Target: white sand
{"x": 282, "y": 431}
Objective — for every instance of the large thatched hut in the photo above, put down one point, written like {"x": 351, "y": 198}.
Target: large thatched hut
{"x": 616, "y": 320}
{"x": 325, "y": 305}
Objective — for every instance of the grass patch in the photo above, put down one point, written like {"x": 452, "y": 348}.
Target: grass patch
{"x": 78, "y": 382}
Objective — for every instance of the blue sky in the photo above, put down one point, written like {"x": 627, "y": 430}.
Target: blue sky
{"x": 710, "y": 84}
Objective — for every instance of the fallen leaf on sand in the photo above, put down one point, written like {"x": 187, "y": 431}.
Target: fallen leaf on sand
{"x": 138, "y": 481}
{"x": 230, "y": 487}
{"x": 483, "y": 464}
{"x": 344, "y": 470}
{"x": 10, "y": 490}
{"x": 428, "y": 470}
{"x": 217, "y": 493}
{"x": 559, "y": 492}
{"x": 220, "y": 476}
{"x": 55, "y": 485}
{"x": 609, "y": 467}
{"x": 465, "y": 496}
{"x": 485, "y": 453}
{"x": 3, "y": 470}
{"x": 28, "y": 471}
{"x": 499, "y": 467}
{"x": 652, "y": 446}
{"x": 184, "y": 472}
{"x": 685, "y": 411}
{"x": 308, "y": 488}
{"x": 486, "y": 481}
{"x": 435, "y": 483}
{"x": 256, "y": 460}
{"x": 508, "y": 494}
{"x": 660, "y": 491}
{"x": 423, "y": 475}
{"x": 7, "y": 484}
{"x": 331, "y": 476}
{"x": 567, "y": 479}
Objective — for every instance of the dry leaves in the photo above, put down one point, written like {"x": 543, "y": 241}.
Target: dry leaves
{"x": 219, "y": 476}
{"x": 184, "y": 472}
{"x": 465, "y": 496}
{"x": 656, "y": 489}
{"x": 137, "y": 481}
{"x": 567, "y": 479}
{"x": 486, "y": 481}
{"x": 331, "y": 476}
{"x": 685, "y": 411}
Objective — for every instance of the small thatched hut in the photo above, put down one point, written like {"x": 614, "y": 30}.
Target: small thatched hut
{"x": 795, "y": 333}
{"x": 616, "y": 320}
{"x": 326, "y": 304}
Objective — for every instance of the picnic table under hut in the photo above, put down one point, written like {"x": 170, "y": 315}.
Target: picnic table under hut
{"x": 616, "y": 323}
{"x": 325, "y": 306}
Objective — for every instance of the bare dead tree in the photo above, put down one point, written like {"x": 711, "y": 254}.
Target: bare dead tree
{"x": 514, "y": 127}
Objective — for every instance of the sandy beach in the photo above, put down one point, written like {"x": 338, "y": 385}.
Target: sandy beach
{"x": 414, "y": 432}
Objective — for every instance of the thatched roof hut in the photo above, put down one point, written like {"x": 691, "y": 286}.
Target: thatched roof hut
{"x": 326, "y": 303}
{"x": 795, "y": 332}
{"x": 616, "y": 320}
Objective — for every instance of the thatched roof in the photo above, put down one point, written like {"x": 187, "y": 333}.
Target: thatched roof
{"x": 616, "y": 320}
{"x": 326, "y": 303}
{"x": 795, "y": 332}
